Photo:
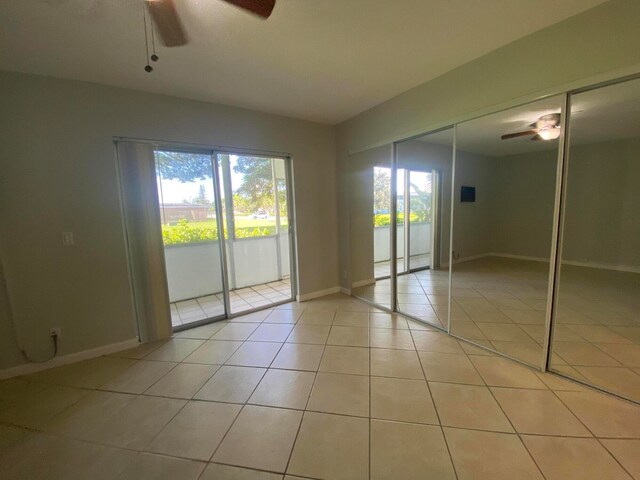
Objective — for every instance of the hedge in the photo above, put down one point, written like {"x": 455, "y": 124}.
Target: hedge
{"x": 184, "y": 233}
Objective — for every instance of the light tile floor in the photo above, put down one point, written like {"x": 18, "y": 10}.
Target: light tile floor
{"x": 241, "y": 300}
{"x": 500, "y": 303}
{"x": 383, "y": 269}
{"x": 328, "y": 389}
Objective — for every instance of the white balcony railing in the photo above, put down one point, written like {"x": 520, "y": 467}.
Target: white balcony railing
{"x": 193, "y": 269}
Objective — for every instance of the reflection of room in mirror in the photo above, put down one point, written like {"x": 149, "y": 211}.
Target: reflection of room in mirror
{"x": 597, "y": 317}
{"x": 502, "y": 240}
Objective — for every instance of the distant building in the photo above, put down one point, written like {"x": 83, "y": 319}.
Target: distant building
{"x": 171, "y": 213}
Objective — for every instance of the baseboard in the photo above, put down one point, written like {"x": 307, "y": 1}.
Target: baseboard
{"x": 344, "y": 290}
{"x": 445, "y": 265}
{"x": 575, "y": 263}
{"x": 318, "y": 293}
{"x": 603, "y": 266}
{"x": 518, "y": 257}
{"x": 363, "y": 283}
{"x": 27, "y": 368}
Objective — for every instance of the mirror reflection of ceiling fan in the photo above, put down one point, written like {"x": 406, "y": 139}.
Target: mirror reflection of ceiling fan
{"x": 547, "y": 127}
{"x": 169, "y": 27}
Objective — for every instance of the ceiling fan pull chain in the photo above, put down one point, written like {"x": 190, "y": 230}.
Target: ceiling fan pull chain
{"x": 148, "y": 68}
{"x": 154, "y": 57}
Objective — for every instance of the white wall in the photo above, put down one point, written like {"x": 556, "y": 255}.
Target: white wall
{"x": 58, "y": 174}
{"x": 601, "y": 191}
{"x": 471, "y": 224}
{"x": 522, "y": 203}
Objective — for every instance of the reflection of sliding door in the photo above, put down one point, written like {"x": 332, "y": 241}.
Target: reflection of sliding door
{"x": 418, "y": 220}
{"x": 381, "y": 221}
{"x": 188, "y": 204}
{"x": 414, "y": 205}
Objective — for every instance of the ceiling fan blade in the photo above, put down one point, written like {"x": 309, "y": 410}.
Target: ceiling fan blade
{"x": 518, "y": 134}
{"x": 262, "y": 8}
{"x": 168, "y": 24}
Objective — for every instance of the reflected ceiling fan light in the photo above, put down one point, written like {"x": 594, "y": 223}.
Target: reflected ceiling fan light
{"x": 550, "y": 133}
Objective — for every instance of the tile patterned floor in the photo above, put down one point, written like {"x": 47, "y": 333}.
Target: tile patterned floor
{"x": 243, "y": 299}
{"x": 383, "y": 269}
{"x": 327, "y": 389}
{"x": 500, "y": 303}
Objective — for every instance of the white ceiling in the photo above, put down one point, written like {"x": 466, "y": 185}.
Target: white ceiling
{"x": 322, "y": 60}
{"x": 600, "y": 115}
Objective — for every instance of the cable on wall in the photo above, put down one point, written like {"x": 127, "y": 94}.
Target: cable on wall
{"x": 23, "y": 351}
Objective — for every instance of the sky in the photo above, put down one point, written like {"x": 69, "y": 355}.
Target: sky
{"x": 175, "y": 191}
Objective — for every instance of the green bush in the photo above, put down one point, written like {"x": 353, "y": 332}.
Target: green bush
{"x": 249, "y": 232}
{"x": 184, "y": 233}
{"x": 384, "y": 219}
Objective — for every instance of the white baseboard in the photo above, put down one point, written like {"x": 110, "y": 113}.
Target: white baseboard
{"x": 603, "y": 266}
{"x": 318, "y": 293}
{"x": 27, "y": 368}
{"x": 363, "y": 283}
{"x": 346, "y": 291}
{"x": 518, "y": 257}
{"x": 600, "y": 266}
{"x": 445, "y": 265}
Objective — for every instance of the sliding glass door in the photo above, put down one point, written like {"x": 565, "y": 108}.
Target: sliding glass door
{"x": 188, "y": 201}
{"x": 256, "y": 215}
{"x": 225, "y": 221}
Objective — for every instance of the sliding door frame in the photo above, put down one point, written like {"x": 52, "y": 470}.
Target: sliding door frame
{"x": 291, "y": 228}
{"x": 214, "y": 152}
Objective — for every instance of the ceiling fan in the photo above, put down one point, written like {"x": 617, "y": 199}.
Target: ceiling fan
{"x": 170, "y": 29}
{"x": 547, "y": 127}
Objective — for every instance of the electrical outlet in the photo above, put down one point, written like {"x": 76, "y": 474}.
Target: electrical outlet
{"x": 55, "y": 332}
{"x": 67, "y": 239}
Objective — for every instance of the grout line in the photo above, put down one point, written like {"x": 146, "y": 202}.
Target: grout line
{"x": 435, "y": 409}
{"x": 369, "y": 365}
{"x": 598, "y": 439}
{"x": 316, "y": 372}
{"x": 509, "y": 420}
{"x": 295, "y": 440}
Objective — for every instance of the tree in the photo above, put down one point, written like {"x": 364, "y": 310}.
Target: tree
{"x": 421, "y": 204}
{"x": 255, "y": 190}
{"x": 201, "y": 199}
{"x": 185, "y": 167}
{"x": 381, "y": 190}
{"x": 256, "y": 187}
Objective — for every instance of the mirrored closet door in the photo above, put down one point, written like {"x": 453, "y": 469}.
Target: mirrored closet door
{"x": 370, "y": 218}
{"x": 533, "y": 213}
{"x": 503, "y": 209}
{"x": 424, "y": 166}
{"x": 596, "y": 329}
